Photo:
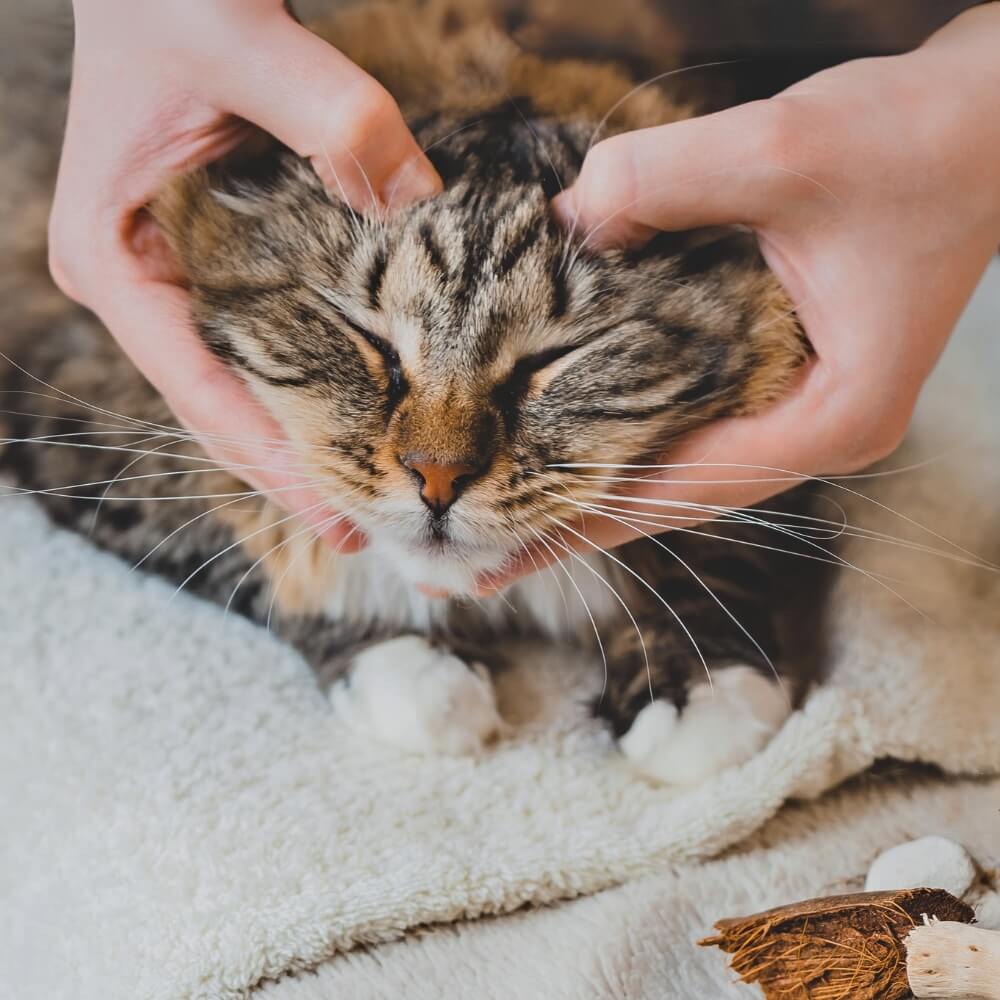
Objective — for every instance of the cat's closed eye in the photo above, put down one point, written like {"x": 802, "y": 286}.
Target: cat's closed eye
{"x": 393, "y": 366}
{"x": 512, "y": 389}
{"x": 397, "y": 384}
{"x": 532, "y": 363}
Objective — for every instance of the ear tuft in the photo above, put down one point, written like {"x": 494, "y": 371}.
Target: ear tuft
{"x": 199, "y": 212}
{"x": 179, "y": 211}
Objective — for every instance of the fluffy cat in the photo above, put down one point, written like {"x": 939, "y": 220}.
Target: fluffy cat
{"x": 460, "y": 377}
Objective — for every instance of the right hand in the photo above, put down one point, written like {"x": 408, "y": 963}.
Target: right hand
{"x": 157, "y": 90}
{"x": 872, "y": 187}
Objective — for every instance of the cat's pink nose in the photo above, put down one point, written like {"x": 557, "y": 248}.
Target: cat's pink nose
{"x": 441, "y": 483}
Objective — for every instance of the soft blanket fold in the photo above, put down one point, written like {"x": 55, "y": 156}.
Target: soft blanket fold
{"x": 182, "y": 816}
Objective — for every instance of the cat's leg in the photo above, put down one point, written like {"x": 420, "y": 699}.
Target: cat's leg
{"x": 684, "y": 734}
{"x": 688, "y": 701}
{"x": 407, "y": 691}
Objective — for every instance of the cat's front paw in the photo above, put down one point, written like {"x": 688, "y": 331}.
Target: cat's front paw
{"x": 419, "y": 697}
{"x": 721, "y": 726}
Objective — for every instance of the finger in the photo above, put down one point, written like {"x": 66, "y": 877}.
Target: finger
{"x": 317, "y": 102}
{"x": 530, "y": 559}
{"x": 688, "y": 490}
{"x": 732, "y": 167}
{"x": 206, "y": 397}
{"x": 737, "y": 463}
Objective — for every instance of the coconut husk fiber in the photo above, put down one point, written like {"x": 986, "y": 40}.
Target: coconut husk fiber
{"x": 837, "y": 948}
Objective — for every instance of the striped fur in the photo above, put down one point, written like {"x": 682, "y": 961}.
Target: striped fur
{"x": 469, "y": 328}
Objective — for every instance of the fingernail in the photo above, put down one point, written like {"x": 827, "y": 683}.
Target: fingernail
{"x": 413, "y": 182}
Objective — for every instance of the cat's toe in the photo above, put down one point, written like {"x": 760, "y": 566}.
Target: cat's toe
{"x": 419, "y": 697}
{"x": 721, "y": 726}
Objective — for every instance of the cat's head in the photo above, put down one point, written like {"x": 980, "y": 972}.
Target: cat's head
{"x": 454, "y": 372}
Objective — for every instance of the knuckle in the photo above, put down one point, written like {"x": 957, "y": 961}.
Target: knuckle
{"x": 885, "y": 441}
{"x": 61, "y": 260}
{"x": 81, "y": 246}
{"x": 374, "y": 115}
{"x": 59, "y": 273}
{"x": 871, "y": 437}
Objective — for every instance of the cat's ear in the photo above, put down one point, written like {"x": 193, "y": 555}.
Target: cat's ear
{"x": 177, "y": 211}
{"x": 771, "y": 334}
{"x": 202, "y": 212}
{"x": 743, "y": 326}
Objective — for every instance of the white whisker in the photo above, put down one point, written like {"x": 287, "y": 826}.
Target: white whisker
{"x": 314, "y": 530}
{"x": 794, "y": 476}
{"x": 659, "y": 78}
{"x": 61, "y": 394}
{"x": 356, "y": 222}
{"x": 122, "y": 471}
{"x": 711, "y": 593}
{"x": 714, "y": 512}
{"x": 545, "y": 540}
{"x": 176, "y": 531}
{"x": 563, "y": 526}
{"x": 837, "y": 559}
{"x": 376, "y": 207}
{"x": 241, "y": 541}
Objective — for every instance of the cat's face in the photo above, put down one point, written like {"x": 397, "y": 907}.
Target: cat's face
{"x": 441, "y": 371}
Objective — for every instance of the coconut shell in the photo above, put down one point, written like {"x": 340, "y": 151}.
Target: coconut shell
{"x": 837, "y": 948}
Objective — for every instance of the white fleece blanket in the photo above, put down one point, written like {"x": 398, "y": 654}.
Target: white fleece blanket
{"x": 638, "y": 941}
{"x": 182, "y": 816}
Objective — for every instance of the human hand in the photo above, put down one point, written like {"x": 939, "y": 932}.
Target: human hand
{"x": 873, "y": 189}
{"x": 158, "y": 89}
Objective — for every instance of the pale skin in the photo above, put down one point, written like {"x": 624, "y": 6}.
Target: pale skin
{"x": 157, "y": 89}
{"x": 874, "y": 188}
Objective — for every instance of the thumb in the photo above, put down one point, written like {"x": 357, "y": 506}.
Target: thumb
{"x": 319, "y": 104}
{"x": 720, "y": 169}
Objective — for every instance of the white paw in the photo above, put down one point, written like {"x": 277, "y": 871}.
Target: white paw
{"x": 418, "y": 697}
{"x": 722, "y": 725}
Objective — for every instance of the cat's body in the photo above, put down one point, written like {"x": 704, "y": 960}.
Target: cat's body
{"x": 468, "y": 334}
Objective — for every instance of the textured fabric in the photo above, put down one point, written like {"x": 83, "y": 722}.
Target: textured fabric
{"x": 637, "y": 941}
{"x": 182, "y": 816}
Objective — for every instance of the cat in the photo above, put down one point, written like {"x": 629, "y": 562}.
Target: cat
{"x": 460, "y": 377}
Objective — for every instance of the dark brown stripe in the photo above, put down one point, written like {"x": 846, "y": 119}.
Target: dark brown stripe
{"x": 518, "y": 248}
{"x": 433, "y": 251}
{"x": 375, "y": 277}
{"x": 560, "y": 289}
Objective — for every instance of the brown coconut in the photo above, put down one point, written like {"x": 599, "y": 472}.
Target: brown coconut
{"x": 838, "y": 948}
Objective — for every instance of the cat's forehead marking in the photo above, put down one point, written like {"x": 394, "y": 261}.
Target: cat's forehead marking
{"x": 445, "y": 297}
{"x": 407, "y": 337}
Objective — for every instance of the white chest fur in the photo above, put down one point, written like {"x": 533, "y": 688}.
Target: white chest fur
{"x": 562, "y": 602}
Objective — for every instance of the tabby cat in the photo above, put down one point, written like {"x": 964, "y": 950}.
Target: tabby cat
{"x": 459, "y": 377}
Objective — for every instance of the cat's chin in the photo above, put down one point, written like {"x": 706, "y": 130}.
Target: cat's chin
{"x": 454, "y": 569}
